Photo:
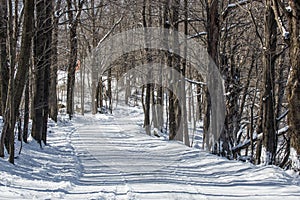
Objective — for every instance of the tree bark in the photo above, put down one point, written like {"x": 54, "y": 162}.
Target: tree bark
{"x": 73, "y": 22}
{"x": 48, "y": 56}
{"x": 53, "y": 109}
{"x": 26, "y": 111}
{"x": 183, "y": 72}
{"x": 213, "y": 31}
{"x": 148, "y": 60}
{"x": 268, "y": 123}
{"x": 175, "y": 111}
{"x": 4, "y": 79}
{"x": 96, "y": 91}
{"x": 20, "y": 77}
{"x": 42, "y": 58}
{"x": 293, "y": 85}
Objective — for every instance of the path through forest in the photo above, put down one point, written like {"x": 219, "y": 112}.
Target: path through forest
{"x": 111, "y": 157}
{"x": 118, "y": 159}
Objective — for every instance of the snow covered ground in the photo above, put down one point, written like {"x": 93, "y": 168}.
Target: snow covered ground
{"x": 110, "y": 157}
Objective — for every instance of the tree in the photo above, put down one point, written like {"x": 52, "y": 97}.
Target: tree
{"x": 213, "y": 32}
{"x": 73, "y": 23}
{"x": 293, "y": 85}
{"x": 17, "y": 86}
{"x": 147, "y": 23}
{"x": 175, "y": 111}
{"x": 42, "y": 61}
{"x": 269, "y": 129}
{"x": 3, "y": 58}
{"x": 54, "y": 67}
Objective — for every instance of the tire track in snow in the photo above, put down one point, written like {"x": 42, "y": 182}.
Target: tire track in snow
{"x": 119, "y": 160}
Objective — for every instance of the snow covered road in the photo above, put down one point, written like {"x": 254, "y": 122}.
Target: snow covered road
{"x": 118, "y": 159}
{"x": 111, "y": 157}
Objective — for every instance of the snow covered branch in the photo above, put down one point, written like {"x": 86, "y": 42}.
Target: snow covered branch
{"x": 195, "y": 82}
{"x": 197, "y": 35}
{"x": 285, "y": 34}
{"x": 233, "y": 6}
{"x": 110, "y": 31}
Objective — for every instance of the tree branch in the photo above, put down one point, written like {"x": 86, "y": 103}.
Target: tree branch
{"x": 284, "y": 32}
{"x": 110, "y": 31}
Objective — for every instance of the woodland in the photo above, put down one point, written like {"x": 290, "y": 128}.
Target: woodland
{"x": 255, "y": 45}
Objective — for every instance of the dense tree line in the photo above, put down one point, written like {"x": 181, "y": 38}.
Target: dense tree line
{"x": 255, "y": 45}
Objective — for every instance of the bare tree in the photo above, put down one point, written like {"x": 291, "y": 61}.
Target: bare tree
{"x": 42, "y": 58}
{"x": 293, "y": 86}
{"x": 53, "y": 109}
{"x": 73, "y": 23}
{"x": 16, "y": 90}
{"x": 3, "y": 58}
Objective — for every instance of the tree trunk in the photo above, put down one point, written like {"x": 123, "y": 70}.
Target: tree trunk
{"x": 4, "y": 79}
{"x": 47, "y": 66}
{"x": 183, "y": 71}
{"x": 148, "y": 60}
{"x": 268, "y": 123}
{"x": 293, "y": 85}
{"x": 20, "y": 76}
{"x": 73, "y": 22}
{"x": 10, "y": 102}
{"x": 175, "y": 111}
{"x": 213, "y": 32}
{"x": 26, "y": 111}
{"x": 42, "y": 55}
{"x": 53, "y": 71}
{"x": 96, "y": 91}
{"x": 82, "y": 79}
{"x": 109, "y": 89}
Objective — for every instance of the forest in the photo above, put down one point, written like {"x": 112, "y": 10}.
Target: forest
{"x": 253, "y": 44}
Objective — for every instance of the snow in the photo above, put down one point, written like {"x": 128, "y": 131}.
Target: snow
{"x": 285, "y": 34}
{"x": 111, "y": 157}
{"x": 288, "y": 8}
{"x": 197, "y": 35}
{"x": 283, "y": 130}
{"x": 233, "y": 5}
{"x": 295, "y": 159}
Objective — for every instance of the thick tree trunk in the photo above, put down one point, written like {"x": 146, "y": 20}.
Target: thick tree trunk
{"x": 96, "y": 90}
{"x": 269, "y": 123}
{"x": 42, "y": 55}
{"x": 10, "y": 106}
{"x": 20, "y": 77}
{"x": 213, "y": 32}
{"x": 71, "y": 71}
{"x": 175, "y": 111}
{"x": 183, "y": 72}
{"x": 4, "y": 79}
{"x": 73, "y": 55}
{"x": 53, "y": 109}
{"x": 148, "y": 60}
{"x": 293, "y": 86}
{"x": 47, "y": 66}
